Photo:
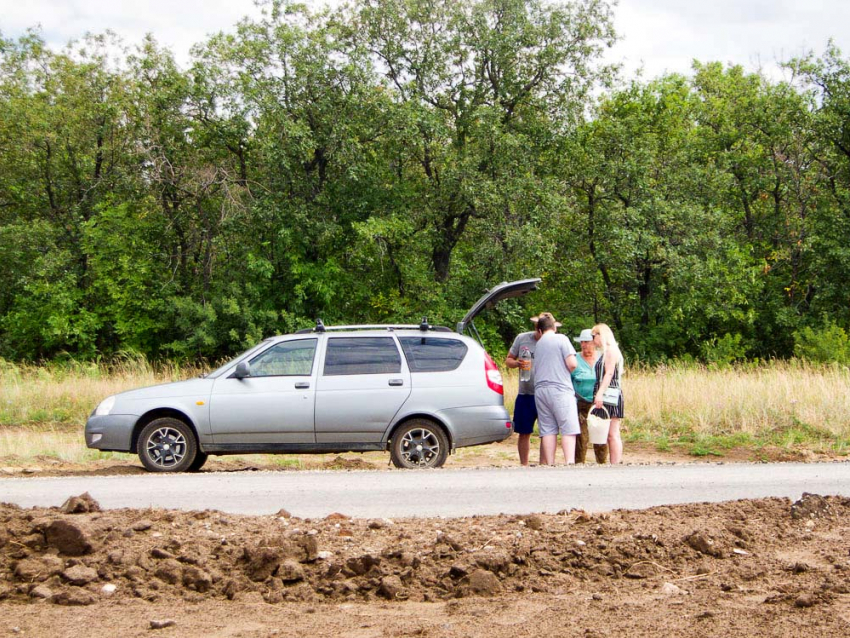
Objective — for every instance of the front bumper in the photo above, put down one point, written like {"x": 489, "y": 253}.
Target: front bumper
{"x": 113, "y": 432}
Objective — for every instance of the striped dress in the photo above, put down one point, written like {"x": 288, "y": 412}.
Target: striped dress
{"x": 614, "y": 411}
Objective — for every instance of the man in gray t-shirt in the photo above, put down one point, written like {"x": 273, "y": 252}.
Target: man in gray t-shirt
{"x": 554, "y": 360}
{"x": 525, "y": 409}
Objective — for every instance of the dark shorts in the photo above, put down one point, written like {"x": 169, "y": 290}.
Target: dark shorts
{"x": 525, "y": 414}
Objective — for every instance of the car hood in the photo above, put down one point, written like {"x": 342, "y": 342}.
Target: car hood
{"x": 169, "y": 390}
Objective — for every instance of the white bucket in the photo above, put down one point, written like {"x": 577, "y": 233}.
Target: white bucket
{"x": 597, "y": 426}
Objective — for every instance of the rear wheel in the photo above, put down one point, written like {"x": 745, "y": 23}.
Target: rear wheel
{"x": 167, "y": 445}
{"x": 419, "y": 443}
{"x": 198, "y": 463}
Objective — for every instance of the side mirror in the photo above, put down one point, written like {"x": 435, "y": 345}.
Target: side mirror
{"x": 243, "y": 369}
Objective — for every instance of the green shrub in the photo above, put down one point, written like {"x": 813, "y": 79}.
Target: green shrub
{"x": 828, "y": 344}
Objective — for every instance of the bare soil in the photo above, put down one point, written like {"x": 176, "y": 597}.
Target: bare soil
{"x": 495, "y": 455}
{"x": 756, "y": 568}
{"x": 750, "y": 568}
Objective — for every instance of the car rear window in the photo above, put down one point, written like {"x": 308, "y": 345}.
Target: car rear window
{"x": 427, "y": 354}
{"x": 362, "y": 355}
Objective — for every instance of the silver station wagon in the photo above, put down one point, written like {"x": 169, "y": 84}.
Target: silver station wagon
{"x": 419, "y": 391}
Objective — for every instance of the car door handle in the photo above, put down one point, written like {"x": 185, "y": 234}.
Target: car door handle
{"x": 302, "y": 385}
{"x": 396, "y": 382}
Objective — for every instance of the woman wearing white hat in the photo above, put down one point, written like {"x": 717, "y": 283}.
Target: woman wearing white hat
{"x": 584, "y": 380}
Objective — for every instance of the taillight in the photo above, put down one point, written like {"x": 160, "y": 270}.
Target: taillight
{"x": 493, "y": 376}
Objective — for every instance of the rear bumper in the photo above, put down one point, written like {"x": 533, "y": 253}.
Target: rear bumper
{"x": 478, "y": 425}
{"x": 113, "y": 432}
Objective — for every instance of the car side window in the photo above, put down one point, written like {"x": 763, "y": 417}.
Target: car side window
{"x": 362, "y": 355}
{"x": 285, "y": 359}
{"x": 427, "y": 354}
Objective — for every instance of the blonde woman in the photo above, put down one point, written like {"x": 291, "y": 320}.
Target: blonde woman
{"x": 607, "y": 391}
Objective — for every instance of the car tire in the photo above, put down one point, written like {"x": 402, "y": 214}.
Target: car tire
{"x": 419, "y": 443}
{"x": 167, "y": 445}
{"x": 198, "y": 463}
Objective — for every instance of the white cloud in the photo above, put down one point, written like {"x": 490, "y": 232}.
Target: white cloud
{"x": 663, "y": 35}
{"x": 666, "y": 35}
{"x": 177, "y": 24}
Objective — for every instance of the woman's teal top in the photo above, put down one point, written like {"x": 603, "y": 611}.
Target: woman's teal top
{"x": 584, "y": 378}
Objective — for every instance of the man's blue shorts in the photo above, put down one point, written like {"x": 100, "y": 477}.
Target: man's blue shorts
{"x": 525, "y": 414}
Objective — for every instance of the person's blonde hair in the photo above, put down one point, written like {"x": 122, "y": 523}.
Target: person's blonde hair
{"x": 606, "y": 336}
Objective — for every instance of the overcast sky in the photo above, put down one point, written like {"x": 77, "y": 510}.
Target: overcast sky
{"x": 659, "y": 35}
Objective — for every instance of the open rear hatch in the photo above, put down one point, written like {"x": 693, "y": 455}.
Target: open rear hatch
{"x": 505, "y": 290}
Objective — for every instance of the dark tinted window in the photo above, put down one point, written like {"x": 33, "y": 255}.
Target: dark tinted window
{"x": 362, "y": 355}
{"x": 427, "y": 354}
{"x": 290, "y": 358}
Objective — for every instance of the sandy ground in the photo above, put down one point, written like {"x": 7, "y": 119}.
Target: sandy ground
{"x": 751, "y": 568}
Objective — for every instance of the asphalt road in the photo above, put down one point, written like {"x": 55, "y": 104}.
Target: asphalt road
{"x": 446, "y": 492}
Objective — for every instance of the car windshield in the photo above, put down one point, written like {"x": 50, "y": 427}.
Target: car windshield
{"x": 247, "y": 353}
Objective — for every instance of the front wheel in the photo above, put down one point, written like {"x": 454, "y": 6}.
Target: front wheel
{"x": 419, "y": 443}
{"x": 167, "y": 445}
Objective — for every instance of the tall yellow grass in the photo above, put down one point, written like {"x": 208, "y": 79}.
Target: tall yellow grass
{"x": 58, "y": 395}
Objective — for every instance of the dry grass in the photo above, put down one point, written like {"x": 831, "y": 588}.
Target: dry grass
{"x": 705, "y": 410}
{"x": 749, "y": 400}
{"x": 66, "y": 394}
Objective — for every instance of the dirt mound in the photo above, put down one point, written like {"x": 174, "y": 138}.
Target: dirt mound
{"x": 78, "y": 555}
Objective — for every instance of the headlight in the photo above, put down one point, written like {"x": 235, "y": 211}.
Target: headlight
{"x": 105, "y": 406}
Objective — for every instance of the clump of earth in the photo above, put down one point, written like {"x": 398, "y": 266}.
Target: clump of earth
{"x": 754, "y": 567}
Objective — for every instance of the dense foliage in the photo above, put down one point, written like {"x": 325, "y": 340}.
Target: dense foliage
{"x": 392, "y": 159}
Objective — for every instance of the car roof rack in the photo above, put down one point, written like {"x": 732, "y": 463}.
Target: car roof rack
{"x": 424, "y": 326}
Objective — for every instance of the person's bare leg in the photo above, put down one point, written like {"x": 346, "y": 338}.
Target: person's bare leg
{"x": 523, "y": 446}
{"x": 568, "y": 445}
{"x": 615, "y": 443}
{"x": 548, "y": 444}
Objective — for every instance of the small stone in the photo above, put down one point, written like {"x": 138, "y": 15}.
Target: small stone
{"x": 79, "y": 575}
{"x": 669, "y": 589}
{"x": 109, "y": 589}
{"x": 805, "y": 600}
{"x": 75, "y": 596}
{"x": 482, "y": 583}
{"x": 640, "y": 571}
{"x": 69, "y": 538}
{"x": 810, "y": 506}
{"x": 196, "y": 579}
{"x": 282, "y": 513}
{"x": 597, "y": 597}
{"x": 290, "y": 571}
{"x": 162, "y": 624}
{"x": 142, "y": 525}
{"x": 336, "y": 516}
{"x": 82, "y": 504}
{"x": 30, "y": 570}
{"x": 391, "y": 588}
{"x": 534, "y": 522}
{"x": 42, "y": 592}
{"x": 740, "y": 552}
{"x": 376, "y": 524}
{"x": 324, "y": 555}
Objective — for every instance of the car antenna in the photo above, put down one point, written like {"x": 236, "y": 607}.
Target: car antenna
{"x": 320, "y": 327}
{"x": 424, "y": 326}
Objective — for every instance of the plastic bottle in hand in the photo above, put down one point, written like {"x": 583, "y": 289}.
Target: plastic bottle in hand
{"x": 525, "y": 364}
